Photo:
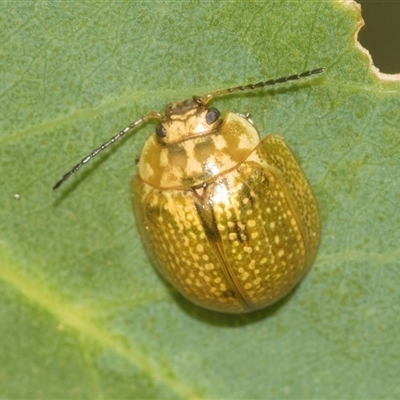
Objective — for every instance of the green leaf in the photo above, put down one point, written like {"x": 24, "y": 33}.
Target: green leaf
{"x": 82, "y": 312}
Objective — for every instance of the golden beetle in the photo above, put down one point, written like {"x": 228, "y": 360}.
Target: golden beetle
{"x": 229, "y": 219}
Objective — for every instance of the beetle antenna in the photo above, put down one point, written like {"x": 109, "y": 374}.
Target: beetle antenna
{"x": 85, "y": 160}
{"x": 258, "y": 85}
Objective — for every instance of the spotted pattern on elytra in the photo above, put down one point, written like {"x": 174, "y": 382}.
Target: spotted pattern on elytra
{"x": 238, "y": 243}
{"x": 185, "y": 250}
{"x": 296, "y": 189}
{"x": 260, "y": 236}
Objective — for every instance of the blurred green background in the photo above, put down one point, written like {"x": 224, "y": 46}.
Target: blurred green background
{"x": 82, "y": 312}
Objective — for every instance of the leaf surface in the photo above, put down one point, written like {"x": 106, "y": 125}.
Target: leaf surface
{"x": 82, "y": 312}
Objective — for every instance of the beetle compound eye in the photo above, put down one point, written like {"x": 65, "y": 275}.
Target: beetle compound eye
{"x": 212, "y": 115}
{"x": 160, "y": 131}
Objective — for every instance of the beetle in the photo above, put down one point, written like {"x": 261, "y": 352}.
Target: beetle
{"x": 229, "y": 219}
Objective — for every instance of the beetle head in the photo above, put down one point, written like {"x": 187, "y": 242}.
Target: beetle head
{"x": 186, "y": 119}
